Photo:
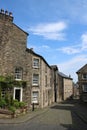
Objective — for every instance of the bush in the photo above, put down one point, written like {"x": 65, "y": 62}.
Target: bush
{"x": 12, "y": 109}
{"x": 3, "y": 103}
{"x": 16, "y": 103}
{"x": 22, "y": 104}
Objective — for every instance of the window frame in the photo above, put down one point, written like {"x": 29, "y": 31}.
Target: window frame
{"x": 84, "y": 87}
{"x": 18, "y": 73}
{"x": 35, "y": 97}
{"x": 36, "y": 62}
{"x": 34, "y": 79}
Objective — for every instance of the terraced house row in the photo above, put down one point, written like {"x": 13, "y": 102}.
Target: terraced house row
{"x": 35, "y": 81}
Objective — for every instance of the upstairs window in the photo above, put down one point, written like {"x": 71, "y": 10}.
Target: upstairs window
{"x": 84, "y": 88}
{"x": 35, "y": 63}
{"x": 84, "y": 76}
{"x": 35, "y": 79}
{"x": 18, "y": 74}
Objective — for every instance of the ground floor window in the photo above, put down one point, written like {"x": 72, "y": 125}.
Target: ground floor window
{"x": 3, "y": 93}
{"x": 35, "y": 97}
{"x": 18, "y": 93}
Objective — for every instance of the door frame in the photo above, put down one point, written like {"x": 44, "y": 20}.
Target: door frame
{"x": 21, "y": 93}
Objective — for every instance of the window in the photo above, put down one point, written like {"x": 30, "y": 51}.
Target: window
{"x": 18, "y": 73}
{"x": 84, "y": 76}
{"x": 3, "y": 93}
{"x": 35, "y": 97}
{"x": 35, "y": 79}
{"x": 84, "y": 88}
{"x": 36, "y": 63}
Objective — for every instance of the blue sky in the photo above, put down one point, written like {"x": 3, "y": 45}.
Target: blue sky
{"x": 57, "y": 30}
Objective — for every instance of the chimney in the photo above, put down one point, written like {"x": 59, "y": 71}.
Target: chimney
{"x": 6, "y": 16}
{"x": 31, "y": 49}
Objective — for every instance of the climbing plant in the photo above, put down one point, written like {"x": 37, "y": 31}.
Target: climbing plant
{"x": 10, "y": 82}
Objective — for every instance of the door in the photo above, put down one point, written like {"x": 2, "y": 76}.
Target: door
{"x": 17, "y": 94}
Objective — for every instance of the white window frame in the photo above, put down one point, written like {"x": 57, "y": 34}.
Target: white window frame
{"x": 35, "y": 97}
{"x": 18, "y": 73}
{"x": 84, "y": 87}
{"x": 36, "y": 62}
{"x": 35, "y": 81}
{"x": 21, "y": 93}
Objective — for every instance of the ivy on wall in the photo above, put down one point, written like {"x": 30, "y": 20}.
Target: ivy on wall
{"x": 9, "y": 82}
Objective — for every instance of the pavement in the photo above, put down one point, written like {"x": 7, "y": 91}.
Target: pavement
{"x": 79, "y": 109}
{"x": 24, "y": 118}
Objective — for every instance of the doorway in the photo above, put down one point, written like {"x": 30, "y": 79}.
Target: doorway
{"x": 18, "y": 93}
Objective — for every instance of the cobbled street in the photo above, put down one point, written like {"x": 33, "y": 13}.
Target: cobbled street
{"x": 64, "y": 116}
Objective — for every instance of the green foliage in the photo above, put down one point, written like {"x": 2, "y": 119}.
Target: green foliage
{"x": 2, "y": 78}
{"x": 8, "y": 99}
{"x": 16, "y": 103}
{"x": 6, "y": 81}
{"x": 10, "y": 82}
{"x": 22, "y": 104}
{"x": 3, "y": 103}
{"x": 12, "y": 109}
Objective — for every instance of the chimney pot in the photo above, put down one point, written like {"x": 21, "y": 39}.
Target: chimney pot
{"x": 2, "y": 11}
{"x": 10, "y": 14}
{"x": 6, "y": 12}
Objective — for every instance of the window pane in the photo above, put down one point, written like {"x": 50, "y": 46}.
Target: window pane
{"x": 35, "y": 62}
{"x": 18, "y": 73}
{"x": 35, "y": 79}
{"x": 85, "y": 88}
{"x": 84, "y": 76}
{"x": 3, "y": 93}
{"x": 35, "y": 97}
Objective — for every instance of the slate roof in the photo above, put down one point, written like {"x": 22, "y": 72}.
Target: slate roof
{"x": 64, "y": 76}
{"x": 82, "y": 68}
{"x": 32, "y": 52}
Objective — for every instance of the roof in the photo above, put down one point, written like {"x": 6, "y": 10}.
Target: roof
{"x": 32, "y": 52}
{"x": 64, "y": 76}
{"x": 82, "y": 68}
{"x": 20, "y": 29}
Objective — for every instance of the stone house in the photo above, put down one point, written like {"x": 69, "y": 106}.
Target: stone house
{"x": 82, "y": 82}
{"x": 65, "y": 86}
{"x": 24, "y": 65}
{"x": 40, "y": 81}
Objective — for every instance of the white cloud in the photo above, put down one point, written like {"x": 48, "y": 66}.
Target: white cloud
{"x": 79, "y": 48}
{"x": 73, "y": 65}
{"x": 69, "y": 50}
{"x": 45, "y": 46}
{"x": 52, "y": 31}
